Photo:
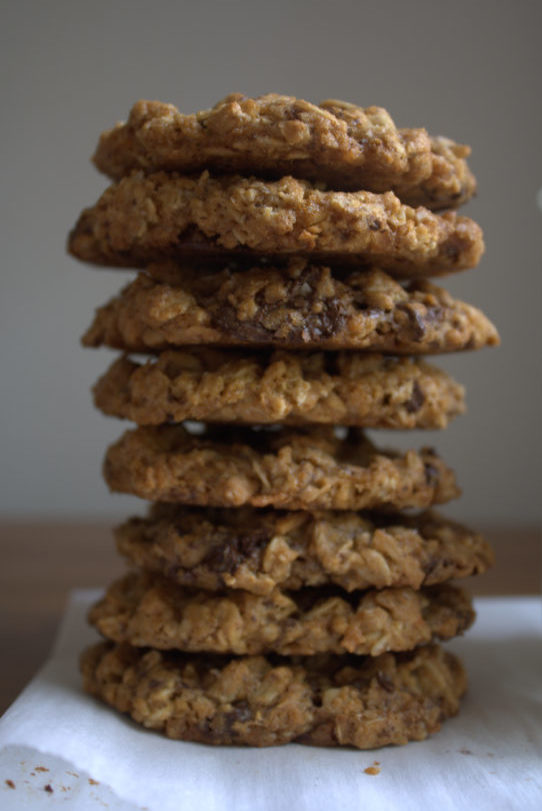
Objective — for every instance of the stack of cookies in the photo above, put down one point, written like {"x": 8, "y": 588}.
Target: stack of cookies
{"x": 290, "y": 581}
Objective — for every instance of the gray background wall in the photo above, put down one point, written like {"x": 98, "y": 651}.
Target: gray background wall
{"x": 470, "y": 70}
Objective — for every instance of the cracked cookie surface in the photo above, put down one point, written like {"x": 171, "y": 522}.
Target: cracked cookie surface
{"x": 148, "y": 610}
{"x": 230, "y": 466}
{"x": 260, "y": 550}
{"x": 300, "y": 307}
{"x": 343, "y": 145}
{"x": 322, "y": 700}
{"x": 143, "y": 218}
{"x": 292, "y": 388}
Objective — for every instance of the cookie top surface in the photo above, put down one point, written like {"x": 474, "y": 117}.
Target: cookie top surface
{"x": 298, "y": 307}
{"x": 293, "y": 388}
{"x": 292, "y": 469}
{"x": 345, "y": 146}
{"x": 148, "y": 610}
{"x": 144, "y": 218}
{"x": 323, "y": 700}
{"x": 263, "y": 550}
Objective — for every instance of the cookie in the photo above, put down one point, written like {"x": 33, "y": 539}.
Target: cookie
{"x": 143, "y": 218}
{"x": 148, "y": 610}
{"x": 292, "y": 388}
{"x": 322, "y": 700}
{"x": 305, "y": 307}
{"x": 344, "y": 146}
{"x": 292, "y": 469}
{"x": 262, "y": 550}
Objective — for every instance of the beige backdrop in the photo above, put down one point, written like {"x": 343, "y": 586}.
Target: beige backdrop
{"x": 470, "y": 70}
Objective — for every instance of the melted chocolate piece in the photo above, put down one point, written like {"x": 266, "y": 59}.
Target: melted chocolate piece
{"x": 322, "y": 322}
{"x": 228, "y": 556}
{"x": 417, "y": 399}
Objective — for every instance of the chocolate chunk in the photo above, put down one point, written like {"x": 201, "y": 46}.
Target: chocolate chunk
{"x": 431, "y": 474}
{"x": 240, "y": 713}
{"x": 453, "y": 248}
{"x": 416, "y": 322}
{"x": 417, "y": 399}
{"x": 320, "y": 319}
{"x": 228, "y": 556}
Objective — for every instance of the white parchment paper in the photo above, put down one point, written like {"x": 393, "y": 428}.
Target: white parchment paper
{"x": 59, "y": 746}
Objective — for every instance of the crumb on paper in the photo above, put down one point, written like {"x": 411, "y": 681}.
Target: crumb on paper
{"x": 48, "y": 788}
{"x": 374, "y": 769}
{"x": 10, "y": 783}
{"x": 93, "y": 782}
{"x": 465, "y": 751}
{"x": 73, "y": 774}
{"x": 40, "y": 769}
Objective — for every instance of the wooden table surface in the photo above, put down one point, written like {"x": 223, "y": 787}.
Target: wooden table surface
{"x": 42, "y": 561}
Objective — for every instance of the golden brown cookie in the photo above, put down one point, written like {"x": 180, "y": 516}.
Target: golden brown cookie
{"x": 321, "y": 700}
{"x": 148, "y": 610}
{"x": 293, "y": 388}
{"x": 305, "y": 307}
{"x": 262, "y": 550}
{"x": 144, "y": 218}
{"x": 345, "y": 146}
{"x": 283, "y": 468}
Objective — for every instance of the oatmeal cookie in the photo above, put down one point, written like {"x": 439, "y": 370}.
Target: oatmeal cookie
{"x": 262, "y": 550}
{"x": 148, "y": 610}
{"x": 345, "y": 146}
{"x": 293, "y": 388}
{"x": 356, "y": 701}
{"x": 301, "y": 307}
{"x": 230, "y": 466}
{"x": 143, "y": 218}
